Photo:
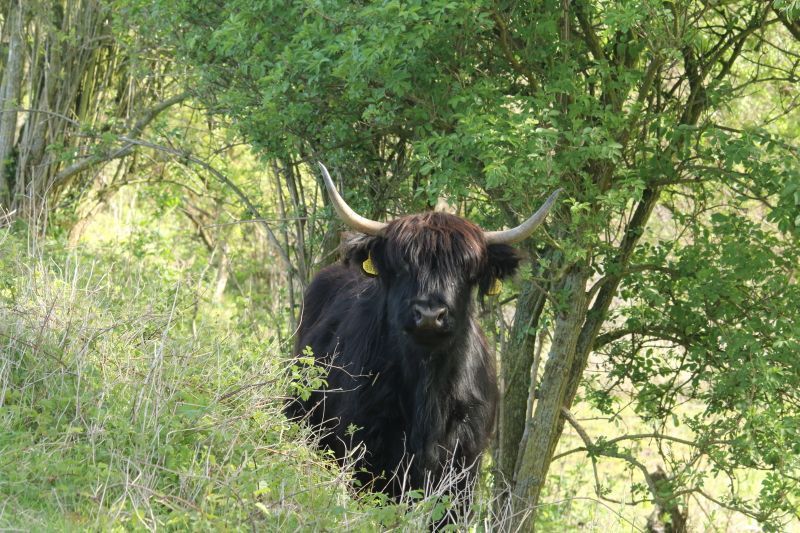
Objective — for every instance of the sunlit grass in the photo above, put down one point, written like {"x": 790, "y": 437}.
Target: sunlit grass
{"x": 123, "y": 401}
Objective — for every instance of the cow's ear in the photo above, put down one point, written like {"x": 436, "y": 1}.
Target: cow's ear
{"x": 503, "y": 262}
{"x": 355, "y": 247}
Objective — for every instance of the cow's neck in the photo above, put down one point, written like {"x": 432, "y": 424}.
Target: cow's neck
{"x": 433, "y": 376}
{"x": 432, "y": 381}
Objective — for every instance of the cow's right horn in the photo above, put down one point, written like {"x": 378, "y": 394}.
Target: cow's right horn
{"x": 348, "y": 216}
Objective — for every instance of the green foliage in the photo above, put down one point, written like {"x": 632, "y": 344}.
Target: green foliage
{"x": 305, "y": 376}
{"x": 719, "y": 320}
{"x": 434, "y": 91}
{"x": 367, "y": 76}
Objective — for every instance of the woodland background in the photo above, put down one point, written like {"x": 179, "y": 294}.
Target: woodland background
{"x": 160, "y": 216}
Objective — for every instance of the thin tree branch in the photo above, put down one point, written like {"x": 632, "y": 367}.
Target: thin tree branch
{"x": 587, "y": 32}
{"x": 640, "y": 436}
{"x": 147, "y": 117}
{"x": 792, "y": 26}
{"x": 186, "y": 156}
{"x": 508, "y": 53}
{"x": 589, "y": 445}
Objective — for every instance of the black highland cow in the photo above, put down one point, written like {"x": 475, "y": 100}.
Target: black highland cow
{"x": 410, "y": 377}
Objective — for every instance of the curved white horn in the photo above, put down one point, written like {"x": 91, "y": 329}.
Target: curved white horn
{"x": 524, "y": 230}
{"x": 348, "y": 216}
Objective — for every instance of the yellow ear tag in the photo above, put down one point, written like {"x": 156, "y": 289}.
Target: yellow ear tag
{"x": 369, "y": 266}
{"x": 496, "y": 287}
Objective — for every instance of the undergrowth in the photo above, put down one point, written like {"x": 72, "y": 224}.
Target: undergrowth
{"x": 129, "y": 401}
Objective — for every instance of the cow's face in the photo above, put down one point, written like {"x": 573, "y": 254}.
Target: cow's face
{"x": 428, "y": 266}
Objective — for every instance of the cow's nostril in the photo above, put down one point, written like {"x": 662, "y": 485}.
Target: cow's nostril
{"x": 429, "y": 317}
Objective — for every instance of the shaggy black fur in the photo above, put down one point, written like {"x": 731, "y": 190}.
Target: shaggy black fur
{"x": 418, "y": 401}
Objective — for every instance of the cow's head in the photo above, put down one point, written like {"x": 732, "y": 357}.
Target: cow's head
{"x": 428, "y": 265}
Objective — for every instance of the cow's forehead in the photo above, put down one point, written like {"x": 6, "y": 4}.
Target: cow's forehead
{"x": 435, "y": 238}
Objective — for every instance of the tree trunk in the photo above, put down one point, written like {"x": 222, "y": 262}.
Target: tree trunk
{"x": 71, "y": 73}
{"x": 223, "y": 271}
{"x": 545, "y": 429}
{"x": 516, "y": 378}
{"x": 576, "y": 328}
{"x": 9, "y": 98}
{"x": 668, "y": 516}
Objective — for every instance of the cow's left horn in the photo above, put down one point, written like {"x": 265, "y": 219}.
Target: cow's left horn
{"x": 524, "y": 230}
{"x": 348, "y": 216}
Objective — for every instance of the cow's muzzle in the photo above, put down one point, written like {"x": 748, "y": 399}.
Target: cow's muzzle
{"x": 429, "y": 324}
{"x": 428, "y": 317}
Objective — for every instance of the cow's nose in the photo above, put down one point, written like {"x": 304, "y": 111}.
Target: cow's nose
{"x": 429, "y": 317}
